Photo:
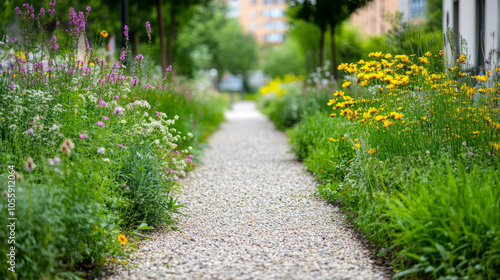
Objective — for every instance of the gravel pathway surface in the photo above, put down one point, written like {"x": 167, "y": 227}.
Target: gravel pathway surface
{"x": 251, "y": 216}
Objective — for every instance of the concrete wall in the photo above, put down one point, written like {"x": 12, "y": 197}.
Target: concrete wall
{"x": 467, "y": 28}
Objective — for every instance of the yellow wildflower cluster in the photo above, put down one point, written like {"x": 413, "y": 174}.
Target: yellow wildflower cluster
{"x": 276, "y": 85}
{"x": 412, "y": 96}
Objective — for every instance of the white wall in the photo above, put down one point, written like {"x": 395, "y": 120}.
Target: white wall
{"x": 467, "y": 27}
{"x": 492, "y": 28}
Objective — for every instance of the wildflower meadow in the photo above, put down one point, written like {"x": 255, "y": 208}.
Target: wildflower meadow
{"x": 91, "y": 149}
{"x": 408, "y": 145}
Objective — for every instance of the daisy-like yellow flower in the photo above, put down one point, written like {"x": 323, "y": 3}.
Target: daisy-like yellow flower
{"x": 387, "y": 123}
{"x": 104, "y": 33}
{"x": 428, "y": 54}
{"x": 356, "y": 140}
{"x": 330, "y": 103}
{"x": 123, "y": 121}
{"x": 358, "y": 146}
{"x": 346, "y": 84}
{"x": 343, "y": 66}
{"x": 441, "y": 52}
{"x": 338, "y": 93}
{"x": 423, "y": 59}
{"x": 333, "y": 140}
{"x": 122, "y": 239}
{"x": 371, "y": 151}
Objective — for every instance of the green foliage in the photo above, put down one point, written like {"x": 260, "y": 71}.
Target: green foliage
{"x": 284, "y": 59}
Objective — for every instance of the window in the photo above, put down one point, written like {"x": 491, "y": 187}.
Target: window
{"x": 417, "y": 8}
{"x": 254, "y": 2}
{"x": 253, "y": 14}
{"x": 253, "y": 26}
{"x": 275, "y": 25}
{"x": 274, "y": 38}
{"x": 273, "y": 13}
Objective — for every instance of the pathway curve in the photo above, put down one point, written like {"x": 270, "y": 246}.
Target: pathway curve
{"x": 251, "y": 216}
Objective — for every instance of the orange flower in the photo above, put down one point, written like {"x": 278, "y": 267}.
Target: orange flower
{"x": 104, "y": 34}
{"x": 122, "y": 239}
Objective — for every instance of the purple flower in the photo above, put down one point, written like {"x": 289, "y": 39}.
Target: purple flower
{"x": 140, "y": 56}
{"x": 121, "y": 146}
{"x": 100, "y": 123}
{"x": 148, "y": 29}
{"x": 83, "y": 136}
{"x": 14, "y": 40}
{"x": 116, "y": 97}
{"x": 158, "y": 114}
{"x": 30, "y": 131}
{"x": 102, "y": 103}
{"x": 188, "y": 160}
{"x": 125, "y": 32}
{"x": 11, "y": 86}
{"x": 133, "y": 105}
{"x": 191, "y": 156}
{"x": 105, "y": 118}
{"x": 123, "y": 55}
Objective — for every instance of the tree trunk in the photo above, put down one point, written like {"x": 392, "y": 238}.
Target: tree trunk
{"x": 162, "y": 35}
{"x": 322, "y": 48}
{"x": 170, "y": 56}
{"x": 333, "y": 49}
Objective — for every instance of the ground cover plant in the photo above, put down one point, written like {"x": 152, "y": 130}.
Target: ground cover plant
{"x": 85, "y": 154}
{"x": 411, "y": 151}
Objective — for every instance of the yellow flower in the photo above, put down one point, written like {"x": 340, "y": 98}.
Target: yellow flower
{"x": 356, "y": 140}
{"x": 342, "y": 66}
{"x": 387, "y": 123}
{"x": 332, "y": 115}
{"x": 388, "y": 55}
{"x": 441, "y": 52}
{"x": 104, "y": 34}
{"x": 346, "y": 84}
{"x": 20, "y": 54}
{"x": 358, "y": 146}
{"x": 475, "y": 132}
{"x": 123, "y": 121}
{"x": 330, "y": 103}
{"x": 364, "y": 83}
{"x": 361, "y": 62}
{"x": 122, "y": 239}
{"x": 338, "y": 93}
{"x": 333, "y": 140}
{"x": 371, "y": 151}
{"x": 428, "y": 54}
{"x": 423, "y": 59}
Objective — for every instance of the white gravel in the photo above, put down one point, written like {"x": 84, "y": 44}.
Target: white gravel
{"x": 252, "y": 216}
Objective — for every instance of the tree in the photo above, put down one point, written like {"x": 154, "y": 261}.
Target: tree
{"x": 323, "y": 13}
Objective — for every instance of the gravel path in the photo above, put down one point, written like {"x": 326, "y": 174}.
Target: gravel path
{"x": 251, "y": 216}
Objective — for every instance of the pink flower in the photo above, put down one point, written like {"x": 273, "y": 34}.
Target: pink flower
{"x": 148, "y": 29}
{"x": 100, "y": 123}
{"x": 30, "y": 131}
{"x": 116, "y": 97}
{"x": 83, "y": 136}
{"x": 125, "y": 32}
{"x": 188, "y": 160}
{"x": 102, "y": 103}
{"x": 105, "y": 118}
{"x": 121, "y": 146}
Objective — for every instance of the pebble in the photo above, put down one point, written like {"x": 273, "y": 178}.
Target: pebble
{"x": 252, "y": 215}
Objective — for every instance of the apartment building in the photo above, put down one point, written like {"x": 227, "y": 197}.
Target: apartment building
{"x": 266, "y": 19}
{"x": 372, "y": 18}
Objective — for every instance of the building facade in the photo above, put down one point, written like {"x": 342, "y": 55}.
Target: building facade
{"x": 266, "y": 19}
{"x": 372, "y": 19}
{"x": 474, "y": 26}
